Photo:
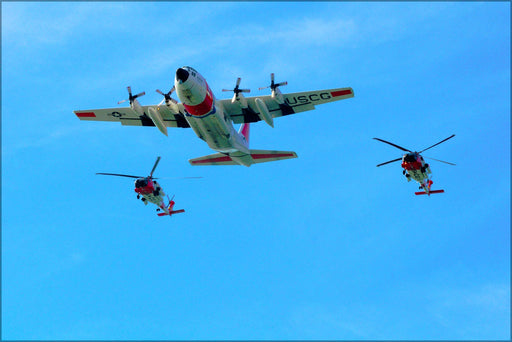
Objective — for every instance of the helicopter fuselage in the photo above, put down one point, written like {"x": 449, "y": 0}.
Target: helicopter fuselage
{"x": 150, "y": 190}
{"x": 415, "y": 167}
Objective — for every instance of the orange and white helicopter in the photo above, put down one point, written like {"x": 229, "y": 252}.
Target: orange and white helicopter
{"x": 212, "y": 119}
{"x": 151, "y": 191}
{"x": 415, "y": 167}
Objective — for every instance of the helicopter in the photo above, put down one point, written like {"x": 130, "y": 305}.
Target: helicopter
{"x": 415, "y": 167}
{"x": 148, "y": 190}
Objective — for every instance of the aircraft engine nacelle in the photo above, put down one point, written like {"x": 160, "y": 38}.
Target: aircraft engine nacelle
{"x": 264, "y": 112}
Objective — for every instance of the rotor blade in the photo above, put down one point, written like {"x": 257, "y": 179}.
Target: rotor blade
{"x": 438, "y": 143}
{"x": 442, "y": 161}
{"x": 387, "y": 142}
{"x": 154, "y": 167}
{"x": 118, "y": 174}
{"x": 281, "y": 84}
{"x": 391, "y": 161}
{"x": 160, "y": 92}
{"x": 178, "y": 177}
{"x": 238, "y": 81}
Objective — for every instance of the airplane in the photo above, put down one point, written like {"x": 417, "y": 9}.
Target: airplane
{"x": 150, "y": 191}
{"x": 212, "y": 119}
{"x": 414, "y": 167}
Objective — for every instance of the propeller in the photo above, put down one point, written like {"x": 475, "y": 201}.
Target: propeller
{"x": 399, "y": 147}
{"x": 406, "y": 150}
{"x": 273, "y": 85}
{"x": 237, "y": 97}
{"x": 131, "y": 97}
{"x": 167, "y": 97}
{"x": 442, "y": 141}
{"x": 237, "y": 89}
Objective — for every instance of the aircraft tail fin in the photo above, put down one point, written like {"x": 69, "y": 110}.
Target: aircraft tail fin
{"x": 430, "y": 192}
{"x": 240, "y": 158}
{"x": 244, "y": 130}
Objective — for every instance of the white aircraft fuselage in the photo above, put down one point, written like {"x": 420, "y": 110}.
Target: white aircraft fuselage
{"x": 205, "y": 114}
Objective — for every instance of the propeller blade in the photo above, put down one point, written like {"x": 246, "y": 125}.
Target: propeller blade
{"x": 167, "y": 97}
{"x": 139, "y": 94}
{"x": 122, "y": 101}
{"x": 118, "y": 174}
{"x": 154, "y": 167}
{"x": 391, "y": 161}
{"x": 273, "y": 85}
{"x": 442, "y": 141}
{"x": 237, "y": 89}
{"x": 178, "y": 178}
{"x": 442, "y": 161}
{"x": 399, "y": 147}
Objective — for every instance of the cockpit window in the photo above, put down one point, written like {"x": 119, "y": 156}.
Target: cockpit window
{"x": 410, "y": 157}
{"x": 140, "y": 183}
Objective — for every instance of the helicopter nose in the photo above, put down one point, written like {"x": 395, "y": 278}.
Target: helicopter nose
{"x": 182, "y": 75}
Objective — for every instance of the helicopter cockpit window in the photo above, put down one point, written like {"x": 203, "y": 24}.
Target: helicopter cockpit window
{"x": 140, "y": 183}
{"x": 410, "y": 158}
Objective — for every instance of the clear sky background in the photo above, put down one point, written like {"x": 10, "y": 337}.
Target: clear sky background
{"x": 326, "y": 246}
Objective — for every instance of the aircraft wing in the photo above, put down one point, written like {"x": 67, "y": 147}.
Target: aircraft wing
{"x": 127, "y": 116}
{"x": 293, "y": 103}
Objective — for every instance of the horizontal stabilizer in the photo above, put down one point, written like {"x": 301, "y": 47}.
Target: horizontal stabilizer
{"x": 172, "y": 212}
{"x": 430, "y": 192}
{"x": 239, "y": 158}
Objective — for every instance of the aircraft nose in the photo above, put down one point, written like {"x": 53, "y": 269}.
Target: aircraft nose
{"x": 182, "y": 75}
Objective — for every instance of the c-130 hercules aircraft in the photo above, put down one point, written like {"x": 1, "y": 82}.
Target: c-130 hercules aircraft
{"x": 212, "y": 119}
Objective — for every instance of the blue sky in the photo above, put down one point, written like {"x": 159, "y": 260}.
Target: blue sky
{"x": 326, "y": 246}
